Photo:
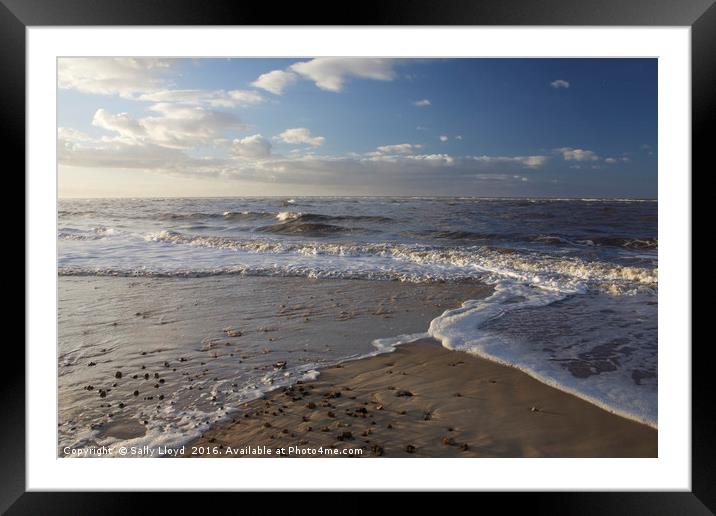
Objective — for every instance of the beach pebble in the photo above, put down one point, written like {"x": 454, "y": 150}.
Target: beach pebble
{"x": 464, "y": 447}
{"x": 403, "y": 393}
{"x": 344, "y": 436}
{"x": 136, "y": 393}
{"x": 377, "y": 450}
{"x": 310, "y": 405}
{"x": 534, "y": 409}
{"x": 92, "y": 364}
{"x": 118, "y": 374}
{"x": 232, "y": 332}
{"x": 448, "y": 441}
{"x": 410, "y": 448}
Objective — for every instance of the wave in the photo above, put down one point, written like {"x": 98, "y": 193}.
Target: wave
{"x": 451, "y": 235}
{"x": 463, "y": 329}
{"x": 640, "y": 243}
{"x": 97, "y": 233}
{"x": 408, "y": 262}
{"x": 305, "y": 228}
{"x": 227, "y": 215}
{"x": 632, "y": 243}
{"x": 286, "y": 216}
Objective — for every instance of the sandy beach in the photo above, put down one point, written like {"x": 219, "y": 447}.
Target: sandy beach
{"x": 242, "y": 366}
{"x": 424, "y": 401}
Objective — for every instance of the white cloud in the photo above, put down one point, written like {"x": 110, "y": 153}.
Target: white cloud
{"x": 559, "y": 83}
{"x": 244, "y": 97}
{"x": 118, "y": 154}
{"x": 144, "y": 79}
{"x": 458, "y": 137}
{"x": 217, "y": 98}
{"x": 122, "y": 123}
{"x": 301, "y": 136}
{"x": 186, "y": 126}
{"x": 68, "y": 134}
{"x": 251, "y": 158}
{"x": 399, "y": 148}
{"x": 431, "y": 160}
{"x": 123, "y": 76}
{"x": 331, "y": 73}
{"x": 177, "y": 126}
{"x": 612, "y": 161}
{"x": 443, "y": 138}
{"x": 275, "y": 81}
{"x": 525, "y": 161}
{"x": 422, "y": 102}
{"x": 255, "y": 146}
{"x": 570, "y": 154}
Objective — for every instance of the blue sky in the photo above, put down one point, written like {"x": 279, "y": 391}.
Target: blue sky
{"x": 333, "y": 126}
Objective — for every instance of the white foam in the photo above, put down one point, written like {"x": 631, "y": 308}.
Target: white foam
{"x": 368, "y": 260}
{"x": 284, "y": 216}
{"x": 389, "y": 344}
{"x": 461, "y": 330}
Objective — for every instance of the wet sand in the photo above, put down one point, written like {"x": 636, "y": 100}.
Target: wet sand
{"x": 157, "y": 351}
{"x": 424, "y": 401}
{"x": 144, "y": 361}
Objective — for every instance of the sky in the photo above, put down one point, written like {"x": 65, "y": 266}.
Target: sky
{"x": 149, "y": 127}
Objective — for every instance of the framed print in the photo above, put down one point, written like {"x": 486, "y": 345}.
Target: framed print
{"x": 412, "y": 250}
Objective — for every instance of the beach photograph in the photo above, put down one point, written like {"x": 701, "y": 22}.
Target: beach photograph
{"x": 334, "y": 257}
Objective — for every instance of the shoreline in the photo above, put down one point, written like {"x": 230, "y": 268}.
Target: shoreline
{"x": 423, "y": 400}
{"x": 168, "y": 363}
{"x": 158, "y": 361}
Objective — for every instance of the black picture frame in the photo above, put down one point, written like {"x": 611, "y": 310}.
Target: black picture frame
{"x": 17, "y": 15}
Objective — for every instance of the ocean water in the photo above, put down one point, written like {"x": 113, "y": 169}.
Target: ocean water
{"x": 575, "y": 282}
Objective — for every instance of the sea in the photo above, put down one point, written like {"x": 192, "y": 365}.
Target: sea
{"x": 573, "y": 299}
